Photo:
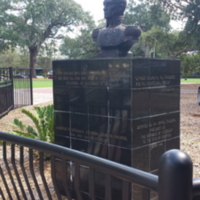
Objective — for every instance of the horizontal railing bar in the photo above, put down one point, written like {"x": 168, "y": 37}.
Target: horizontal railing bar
{"x": 8, "y": 109}
{"x": 5, "y": 84}
{"x": 115, "y": 169}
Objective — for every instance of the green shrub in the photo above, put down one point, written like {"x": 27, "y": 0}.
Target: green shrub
{"x": 43, "y": 121}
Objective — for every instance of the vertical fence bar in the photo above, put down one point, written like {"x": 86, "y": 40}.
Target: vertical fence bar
{"x": 77, "y": 181}
{"x": 24, "y": 173}
{"x": 125, "y": 190}
{"x": 2, "y": 195}
{"x": 31, "y": 85}
{"x": 175, "y": 176}
{"x": 18, "y": 179}
{"x": 6, "y": 161}
{"x": 66, "y": 178}
{"x": 91, "y": 184}
{"x": 31, "y": 166}
{"x": 196, "y": 188}
{"x": 12, "y": 86}
{"x": 108, "y": 193}
{"x": 53, "y": 175}
{"x": 3, "y": 179}
{"x": 41, "y": 159}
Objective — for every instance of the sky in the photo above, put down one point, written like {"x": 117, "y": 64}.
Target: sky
{"x": 95, "y": 7}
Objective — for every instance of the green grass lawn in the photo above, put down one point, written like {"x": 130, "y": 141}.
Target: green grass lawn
{"x": 37, "y": 83}
{"x": 42, "y": 83}
{"x": 191, "y": 80}
{"x": 49, "y": 82}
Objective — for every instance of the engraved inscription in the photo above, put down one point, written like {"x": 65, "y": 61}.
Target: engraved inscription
{"x": 158, "y": 130}
{"x": 84, "y": 78}
{"x": 93, "y": 135}
{"x": 147, "y": 81}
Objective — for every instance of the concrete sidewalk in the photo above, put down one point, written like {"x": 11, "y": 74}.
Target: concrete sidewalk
{"x": 42, "y": 95}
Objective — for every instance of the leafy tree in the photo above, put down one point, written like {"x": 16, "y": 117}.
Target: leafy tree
{"x": 154, "y": 17}
{"x": 10, "y": 58}
{"x": 155, "y": 24}
{"x": 29, "y": 23}
{"x": 44, "y": 62}
{"x": 159, "y": 43}
{"x": 190, "y": 63}
{"x": 46, "y": 55}
{"x": 79, "y": 47}
{"x": 24, "y": 57}
{"x": 146, "y": 15}
{"x": 188, "y": 11}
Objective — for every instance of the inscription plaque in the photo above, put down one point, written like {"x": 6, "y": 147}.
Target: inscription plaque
{"x": 125, "y": 110}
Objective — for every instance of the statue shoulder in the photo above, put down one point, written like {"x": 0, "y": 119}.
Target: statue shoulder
{"x": 95, "y": 33}
{"x": 133, "y": 30}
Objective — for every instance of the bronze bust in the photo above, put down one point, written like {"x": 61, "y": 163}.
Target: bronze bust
{"x": 116, "y": 39}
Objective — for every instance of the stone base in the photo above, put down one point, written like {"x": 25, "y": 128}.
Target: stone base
{"x": 125, "y": 110}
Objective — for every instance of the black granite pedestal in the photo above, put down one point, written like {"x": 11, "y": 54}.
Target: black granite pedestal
{"x": 124, "y": 110}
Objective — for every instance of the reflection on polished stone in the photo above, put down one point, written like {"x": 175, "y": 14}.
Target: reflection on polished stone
{"x": 97, "y": 101}
{"x": 120, "y": 155}
{"x": 121, "y": 103}
{"x": 120, "y": 132}
{"x": 124, "y": 110}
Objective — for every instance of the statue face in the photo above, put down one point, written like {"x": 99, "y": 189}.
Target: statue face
{"x": 113, "y": 8}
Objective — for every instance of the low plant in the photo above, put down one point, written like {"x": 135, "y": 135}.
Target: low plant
{"x": 43, "y": 120}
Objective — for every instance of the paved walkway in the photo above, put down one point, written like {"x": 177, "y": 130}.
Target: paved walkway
{"x": 42, "y": 95}
{"x": 189, "y": 91}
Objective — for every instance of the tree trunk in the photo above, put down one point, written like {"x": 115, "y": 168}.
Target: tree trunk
{"x": 33, "y": 52}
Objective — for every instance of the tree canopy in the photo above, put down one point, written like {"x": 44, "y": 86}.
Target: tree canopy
{"x": 30, "y": 22}
{"x": 146, "y": 16}
{"x": 36, "y": 23}
{"x": 81, "y": 46}
{"x": 188, "y": 11}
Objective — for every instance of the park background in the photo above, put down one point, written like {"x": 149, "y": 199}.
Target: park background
{"x": 32, "y": 34}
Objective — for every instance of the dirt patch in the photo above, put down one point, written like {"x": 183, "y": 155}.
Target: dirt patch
{"x": 190, "y": 125}
{"x": 8, "y": 119}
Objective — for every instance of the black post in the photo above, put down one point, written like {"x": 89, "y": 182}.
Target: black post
{"x": 198, "y": 96}
{"x": 31, "y": 85}
{"x": 175, "y": 176}
{"x": 13, "y": 88}
{"x": 196, "y": 189}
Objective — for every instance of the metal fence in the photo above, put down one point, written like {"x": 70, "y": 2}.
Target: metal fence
{"x": 15, "y": 89}
{"x": 27, "y": 173}
{"x": 6, "y": 91}
{"x": 22, "y": 81}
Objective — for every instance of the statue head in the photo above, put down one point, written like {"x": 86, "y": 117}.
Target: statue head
{"x": 113, "y": 8}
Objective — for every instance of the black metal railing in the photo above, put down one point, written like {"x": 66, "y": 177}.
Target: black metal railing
{"x": 27, "y": 173}
{"x": 15, "y": 89}
{"x": 22, "y": 82}
{"x": 6, "y": 91}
